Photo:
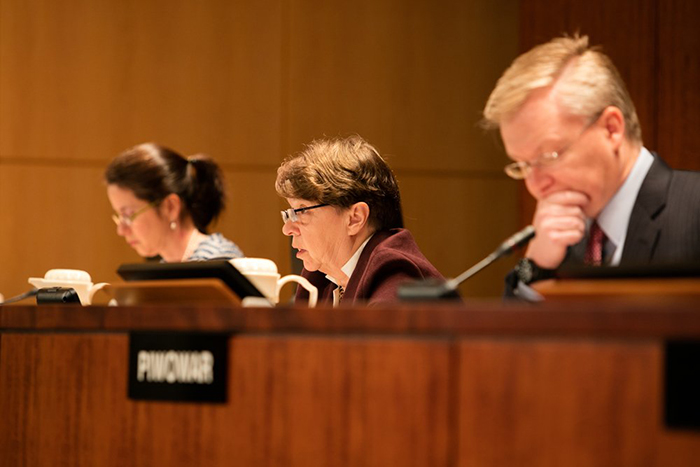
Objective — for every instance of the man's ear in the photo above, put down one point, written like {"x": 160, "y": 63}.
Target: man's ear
{"x": 614, "y": 123}
{"x": 358, "y": 217}
{"x": 171, "y": 207}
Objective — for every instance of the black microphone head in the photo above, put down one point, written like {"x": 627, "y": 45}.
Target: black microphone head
{"x": 427, "y": 290}
{"x": 516, "y": 240}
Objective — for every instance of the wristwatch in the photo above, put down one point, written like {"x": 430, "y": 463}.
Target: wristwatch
{"x": 528, "y": 272}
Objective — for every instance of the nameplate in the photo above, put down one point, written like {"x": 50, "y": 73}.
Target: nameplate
{"x": 173, "y": 366}
{"x": 682, "y": 385}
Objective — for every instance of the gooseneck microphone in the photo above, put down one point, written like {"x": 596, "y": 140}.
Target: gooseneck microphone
{"x": 514, "y": 241}
{"x": 435, "y": 290}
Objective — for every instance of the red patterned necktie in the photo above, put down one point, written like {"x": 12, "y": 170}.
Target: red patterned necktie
{"x": 594, "y": 249}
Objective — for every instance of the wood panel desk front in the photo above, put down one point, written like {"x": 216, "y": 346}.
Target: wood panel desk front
{"x": 475, "y": 385}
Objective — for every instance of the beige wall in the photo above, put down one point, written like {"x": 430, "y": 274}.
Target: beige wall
{"x": 247, "y": 82}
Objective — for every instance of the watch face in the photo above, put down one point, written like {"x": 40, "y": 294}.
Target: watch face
{"x": 528, "y": 271}
{"x": 525, "y": 271}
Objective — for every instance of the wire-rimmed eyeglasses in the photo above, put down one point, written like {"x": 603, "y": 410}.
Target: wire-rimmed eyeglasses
{"x": 520, "y": 170}
{"x": 291, "y": 214}
{"x": 126, "y": 221}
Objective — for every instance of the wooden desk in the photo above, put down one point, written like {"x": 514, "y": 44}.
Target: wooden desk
{"x": 581, "y": 289}
{"x": 475, "y": 385}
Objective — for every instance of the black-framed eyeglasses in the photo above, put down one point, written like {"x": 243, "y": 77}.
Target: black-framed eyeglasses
{"x": 291, "y": 214}
{"x": 520, "y": 170}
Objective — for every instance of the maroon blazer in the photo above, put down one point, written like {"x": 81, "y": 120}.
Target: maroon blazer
{"x": 390, "y": 258}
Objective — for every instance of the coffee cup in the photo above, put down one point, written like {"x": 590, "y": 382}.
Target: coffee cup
{"x": 264, "y": 276}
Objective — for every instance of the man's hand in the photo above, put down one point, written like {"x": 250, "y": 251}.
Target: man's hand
{"x": 559, "y": 223}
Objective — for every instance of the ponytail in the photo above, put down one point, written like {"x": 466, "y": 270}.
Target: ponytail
{"x": 205, "y": 193}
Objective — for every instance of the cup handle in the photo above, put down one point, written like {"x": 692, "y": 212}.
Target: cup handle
{"x": 313, "y": 291}
{"x": 94, "y": 289}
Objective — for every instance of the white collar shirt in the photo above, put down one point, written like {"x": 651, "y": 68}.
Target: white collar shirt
{"x": 615, "y": 216}
{"x": 348, "y": 268}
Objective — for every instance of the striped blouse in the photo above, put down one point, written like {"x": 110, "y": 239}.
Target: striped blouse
{"x": 215, "y": 246}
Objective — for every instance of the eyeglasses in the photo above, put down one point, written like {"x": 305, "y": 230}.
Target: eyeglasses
{"x": 520, "y": 170}
{"x": 291, "y": 214}
{"x": 126, "y": 221}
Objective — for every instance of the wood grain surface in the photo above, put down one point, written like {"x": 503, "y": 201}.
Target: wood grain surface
{"x": 580, "y": 384}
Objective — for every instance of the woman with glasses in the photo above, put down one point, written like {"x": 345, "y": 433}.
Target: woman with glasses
{"x": 164, "y": 202}
{"x": 345, "y": 220}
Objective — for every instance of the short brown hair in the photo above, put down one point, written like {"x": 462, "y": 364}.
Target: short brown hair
{"x": 587, "y": 82}
{"x": 342, "y": 172}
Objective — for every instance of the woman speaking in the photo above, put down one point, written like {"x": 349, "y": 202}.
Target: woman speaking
{"x": 346, "y": 222}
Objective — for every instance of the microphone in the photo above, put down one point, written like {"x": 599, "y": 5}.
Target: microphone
{"x": 435, "y": 290}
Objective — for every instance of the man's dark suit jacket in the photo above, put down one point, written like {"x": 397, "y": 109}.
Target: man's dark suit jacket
{"x": 664, "y": 227}
{"x": 390, "y": 258}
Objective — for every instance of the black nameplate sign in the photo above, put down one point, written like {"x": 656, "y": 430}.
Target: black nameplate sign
{"x": 172, "y": 366}
{"x": 682, "y": 398}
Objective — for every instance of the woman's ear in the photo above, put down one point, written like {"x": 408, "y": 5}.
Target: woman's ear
{"x": 358, "y": 217}
{"x": 171, "y": 207}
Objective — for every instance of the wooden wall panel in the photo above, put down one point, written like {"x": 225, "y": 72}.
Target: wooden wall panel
{"x": 532, "y": 395}
{"x": 411, "y": 77}
{"x": 627, "y": 33}
{"x": 89, "y": 80}
{"x": 60, "y": 218}
{"x": 252, "y": 218}
{"x": 678, "y": 98}
{"x": 79, "y": 85}
{"x": 458, "y": 221}
{"x": 248, "y": 83}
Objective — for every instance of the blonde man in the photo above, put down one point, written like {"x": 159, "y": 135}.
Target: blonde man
{"x": 571, "y": 129}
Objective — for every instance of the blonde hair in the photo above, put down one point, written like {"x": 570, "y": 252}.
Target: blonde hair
{"x": 586, "y": 83}
{"x": 342, "y": 172}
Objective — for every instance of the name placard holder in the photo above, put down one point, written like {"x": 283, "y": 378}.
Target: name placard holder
{"x": 682, "y": 385}
{"x": 178, "y": 366}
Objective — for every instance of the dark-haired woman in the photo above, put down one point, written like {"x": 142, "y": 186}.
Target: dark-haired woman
{"x": 164, "y": 202}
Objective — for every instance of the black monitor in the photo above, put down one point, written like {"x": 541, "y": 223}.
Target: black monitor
{"x": 218, "y": 269}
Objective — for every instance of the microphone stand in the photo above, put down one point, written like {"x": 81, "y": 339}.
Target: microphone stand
{"x": 437, "y": 290}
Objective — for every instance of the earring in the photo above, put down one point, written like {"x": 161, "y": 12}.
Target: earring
{"x": 173, "y": 225}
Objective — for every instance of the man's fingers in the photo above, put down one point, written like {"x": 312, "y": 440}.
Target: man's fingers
{"x": 563, "y": 224}
{"x": 568, "y": 198}
{"x": 566, "y": 237}
{"x": 556, "y": 210}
